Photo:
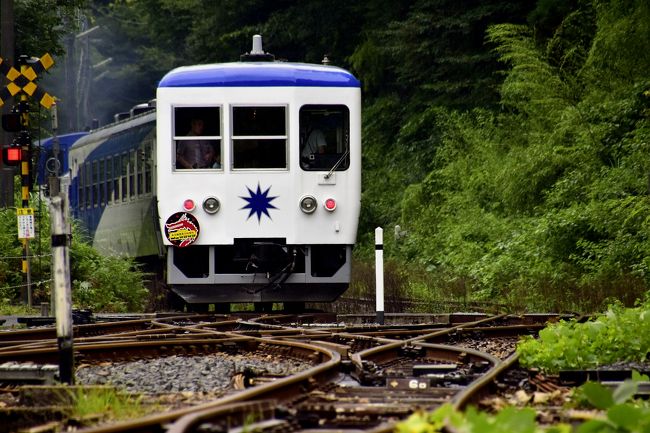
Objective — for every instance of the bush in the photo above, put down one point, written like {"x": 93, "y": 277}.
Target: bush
{"x": 101, "y": 284}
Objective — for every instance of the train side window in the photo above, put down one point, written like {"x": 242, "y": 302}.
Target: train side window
{"x": 324, "y": 137}
{"x": 124, "y": 172}
{"x": 95, "y": 183}
{"x": 132, "y": 174}
{"x": 197, "y": 138}
{"x": 147, "y": 168}
{"x": 116, "y": 178}
{"x": 109, "y": 180}
{"x": 89, "y": 185}
{"x": 80, "y": 187}
{"x": 102, "y": 182}
{"x": 259, "y": 137}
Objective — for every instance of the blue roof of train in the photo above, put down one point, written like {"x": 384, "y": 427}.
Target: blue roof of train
{"x": 259, "y": 74}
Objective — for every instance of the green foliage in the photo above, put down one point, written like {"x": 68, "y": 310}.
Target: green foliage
{"x": 620, "y": 334}
{"x": 509, "y": 420}
{"x": 105, "y": 283}
{"x": 621, "y": 413}
{"x": 546, "y": 199}
{"x": 101, "y": 284}
{"x": 508, "y": 139}
{"x": 41, "y": 25}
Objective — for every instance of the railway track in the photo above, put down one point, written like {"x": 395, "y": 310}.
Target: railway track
{"x": 358, "y": 377}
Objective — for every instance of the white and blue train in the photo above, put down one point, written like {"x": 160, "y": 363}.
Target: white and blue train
{"x": 244, "y": 178}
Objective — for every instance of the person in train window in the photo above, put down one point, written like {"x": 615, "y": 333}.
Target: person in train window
{"x": 314, "y": 145}
{"x": 210, "y": 157}
{"x": 188, "y": 152}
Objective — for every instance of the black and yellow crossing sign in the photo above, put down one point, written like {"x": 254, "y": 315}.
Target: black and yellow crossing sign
{"x": 23, "y": 80}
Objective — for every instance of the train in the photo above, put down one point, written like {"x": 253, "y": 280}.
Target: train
{"x": 242, "y": 179}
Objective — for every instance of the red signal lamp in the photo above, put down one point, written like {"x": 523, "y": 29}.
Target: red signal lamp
{"x": 189, "y": 205}
{"x": 330, "y": 204}
{"x": 12, "y": 155}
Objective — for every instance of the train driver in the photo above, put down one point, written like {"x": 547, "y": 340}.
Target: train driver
{"x": 314, "y": 145}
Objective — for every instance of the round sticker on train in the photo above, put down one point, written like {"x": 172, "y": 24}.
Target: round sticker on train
{"x": 182, "y": 229}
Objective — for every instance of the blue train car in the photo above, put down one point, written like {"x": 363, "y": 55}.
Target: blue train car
{"x": 112, "y": 187}
{"x": 47, "y": 163}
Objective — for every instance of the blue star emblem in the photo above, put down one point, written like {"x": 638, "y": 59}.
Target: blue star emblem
{"x": 259, "y": 202}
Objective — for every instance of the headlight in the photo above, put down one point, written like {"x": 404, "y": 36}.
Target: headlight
{"x": 211, "y": 205}
{"x": 308, "y": 204}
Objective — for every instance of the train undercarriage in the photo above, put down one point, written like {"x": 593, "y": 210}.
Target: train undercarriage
{"x": 257, "y": 271}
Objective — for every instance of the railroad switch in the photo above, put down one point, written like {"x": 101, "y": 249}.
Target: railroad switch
{"x": 21, "y": 373}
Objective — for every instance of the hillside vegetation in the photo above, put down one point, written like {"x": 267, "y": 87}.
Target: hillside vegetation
{"x": 509, "y": 140}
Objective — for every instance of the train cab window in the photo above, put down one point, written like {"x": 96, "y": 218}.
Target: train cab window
{"x": 324, "y": 137}
{"x": 259, "y": 137}
{"x": 197, "y": 138}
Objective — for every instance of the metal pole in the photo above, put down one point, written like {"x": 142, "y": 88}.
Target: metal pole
{"x": 61, "y": 277}
{"x": 53, "y": 178}
{"x": 379, "y": 273}
{"x": 26, "y": 144}
{"x": 52, "y": 165}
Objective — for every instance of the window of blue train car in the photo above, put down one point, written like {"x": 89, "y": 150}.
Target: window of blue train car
{"x": 124, "y": 172}
{"x": 80, "y": 187}
{"x": 324, "y": 137}
{"x": 88, "y": 183}
{"x": 102, "y": 182}
{"x": 132, "y": 173}
{"x": 109, "y": 179}
{"x": 147, "y": 166}
{"x": 197, "y": 138}
{"x": 95, "y": 169}
{"x": 116, "y": 178}
{"x": 259, "y": 137}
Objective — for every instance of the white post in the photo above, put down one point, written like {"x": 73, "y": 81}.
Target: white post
{"x": 62, "y": 290}
{"x": 379, "y": 273}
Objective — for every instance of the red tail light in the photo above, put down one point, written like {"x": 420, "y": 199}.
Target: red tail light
{"x": 189, "y": 205}
{"x": 330, "y": 204}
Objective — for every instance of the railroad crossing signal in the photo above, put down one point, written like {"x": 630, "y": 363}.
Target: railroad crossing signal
{"x": 12, "y": 155}
{"x": 23, "y": 80}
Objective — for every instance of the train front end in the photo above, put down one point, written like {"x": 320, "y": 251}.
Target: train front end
{"x": 258, "y": 181}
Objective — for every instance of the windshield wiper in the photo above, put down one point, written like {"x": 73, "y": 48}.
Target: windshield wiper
{"x": 341, "y": 159}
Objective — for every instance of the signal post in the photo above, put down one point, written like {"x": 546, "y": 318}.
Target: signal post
{"x": 19, "y": 151}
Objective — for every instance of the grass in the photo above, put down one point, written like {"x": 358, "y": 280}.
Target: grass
{"x": 7, "y": 309}
{"x": 108, "y": 402}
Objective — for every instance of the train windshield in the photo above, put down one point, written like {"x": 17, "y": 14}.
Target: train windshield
{"x": 259, "y": 137}
{"x": 197, "y": 135}
{"x": 324, "y": 137}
